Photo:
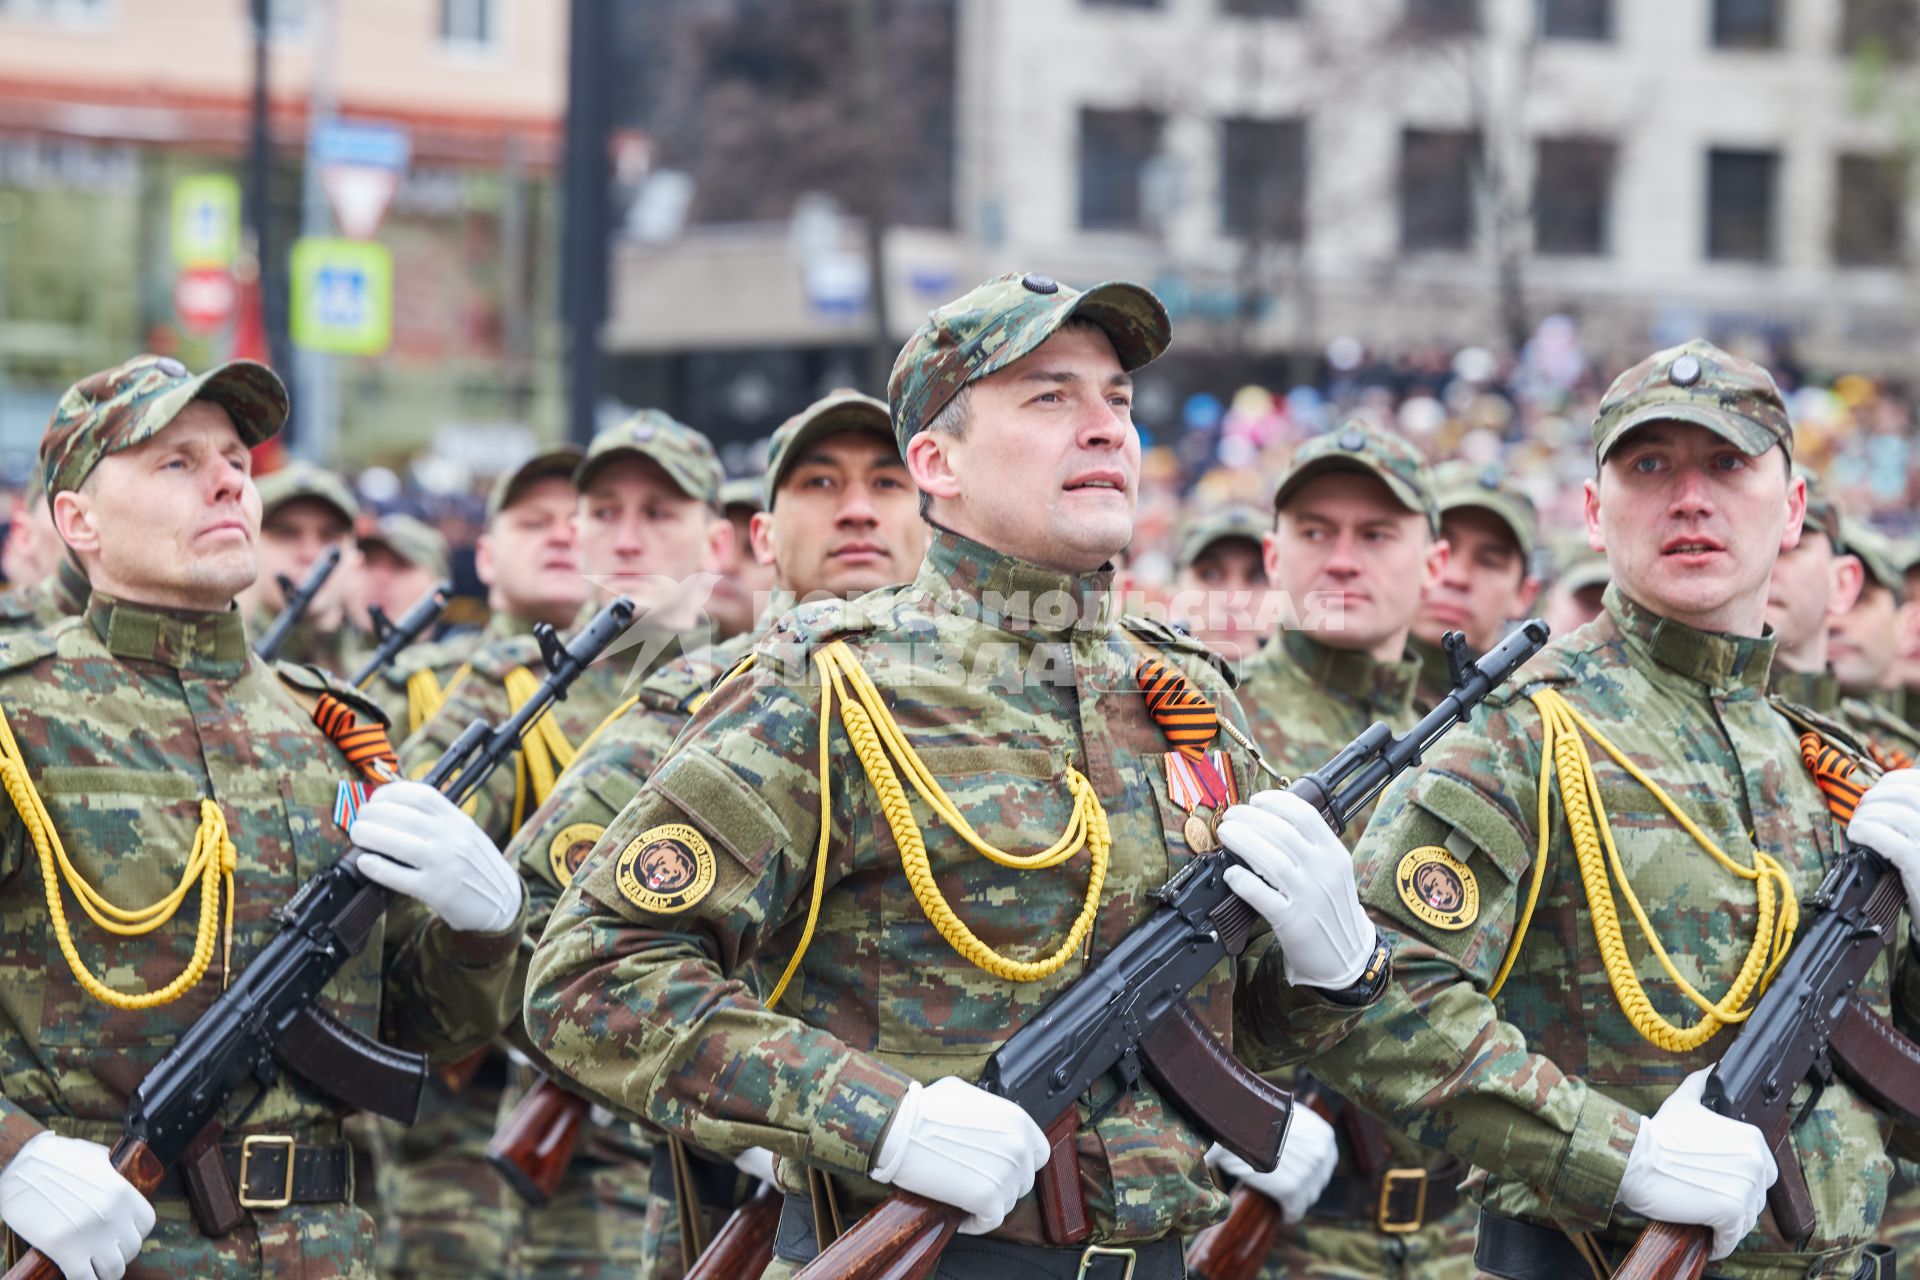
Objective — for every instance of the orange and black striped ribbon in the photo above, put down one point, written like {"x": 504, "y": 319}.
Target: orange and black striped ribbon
{"x": 1183, "y": 713}
{"x": 1835, "y": 773}
{"x": 1890, "y": 758}
{"x": 365, "y": 745}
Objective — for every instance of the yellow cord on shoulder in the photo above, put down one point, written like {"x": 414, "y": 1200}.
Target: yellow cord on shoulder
{"x": 211, "y": 862}
{"x": 424, "y": 698}
{"x": 879, "y": 743}
{"x": 1563, "y": 752}
{"x": 544, "y": 751}
{"x": 700, "y": 700}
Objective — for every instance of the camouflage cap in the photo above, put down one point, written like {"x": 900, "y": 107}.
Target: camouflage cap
{"x": 118, "y": 408}
{"x": 1202, "y": 529}
{"x": 1823, "y": 513}
{"x": 414, "y": 541}
{"x": 304, "y": 480}
{"x": 1465, "y": 484}
{"x": 1582, "y": 572}
{"x": 1355, "y": 446}
{"x": 560, "y": 461}
{"x": 745, "y": 493}
{"x": 1696, "y": 382}
{"x": 1876, "y": 555}
{"x": 990, "y": 327}
{"x": 684, "y": 454}
{"x": 841, "y": 410}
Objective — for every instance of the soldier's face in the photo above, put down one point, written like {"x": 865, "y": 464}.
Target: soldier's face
{"x": 1804, "y": 594}
{"x": 529, "y": 557}
{"x": 1484, "y": 585}
{"x": 291, "y": 539}
{"x": 1353, "y": 563}
{"x": 642, "y": 537}
{"x": 1048, "y": 468}
{"x": 744, "y": 580}
{"x": 1865, "y": 639}
{"x": 1691, "y": 526}
{"x": 1223, "y": 597}
{"x": 389, "y": 582}
{"x": 173, "y": 521}
{"x": 846, "y": 518}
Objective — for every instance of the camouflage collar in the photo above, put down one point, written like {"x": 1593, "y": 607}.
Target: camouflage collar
{"x": 208, "y": 644}
{"x": 1434, "y": 671}
{"x": 1011, "y": 594}
{"x": 69, "y": 586}
{"x": 1814, "y": 690}
{"x": 502, "y": 625}
{"x": 1383, "y": 688}
{"x": 779, "y": 601}
{"x": 1720, "y": 661}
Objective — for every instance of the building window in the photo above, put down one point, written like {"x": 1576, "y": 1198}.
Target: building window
{"x": 1576, "y": 19}
{"x": 66, "y": 13}
{"x": 1443, "y": 17}
{"x": 1261, "y": 8}
{"x": 471, "y": 26}
{"x": 1740, "y": 204}
{"x": 1572, "y": 195}
{"x": 1870, "y": 213}
{"x": 1746, "y": 24}
{"x": 1436, "y": 188}
{"x": 1115, "y": 147}
{"x": 1263, "y": 166}
{"x": 1888, "y": 27}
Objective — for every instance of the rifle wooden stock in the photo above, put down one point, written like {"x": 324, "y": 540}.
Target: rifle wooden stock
{"x": 1667, "y": 1251}
{"x": 1237, "y": 1248}
{"x": 456, "y": 1076}
{"x": 138, "y": 1165}
{"x": 533, "y": 1148}
{"x": 900, "y": 1239}
{"x": 744, "y": 1245}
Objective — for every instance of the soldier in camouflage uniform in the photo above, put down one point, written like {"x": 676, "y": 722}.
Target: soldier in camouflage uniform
{"x": 839, "y": 519}
{"x": 1220, "y": 589}
{"x": 1490, "y": 529}
{"x": 1866, "y": 640}
{"x": 39, "y": 597}
{"x": 649, "y": 529}
{"x": 400, "y": 561}
{"x": 744, "y": 581}
{"x": 1573, "y": 596}
{"x": 146, "y": 728}
{"x": 1355, "y": 523}
{"x": 1506, "y": 1036}
{"x": 305, "y": 510}
{"x": 1006, "y": 675}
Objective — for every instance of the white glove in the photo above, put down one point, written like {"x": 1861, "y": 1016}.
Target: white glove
{"x": 65, "y": 1198}
{"x": 958, "y": 1144}
{"x": 1693, "y": 1165}
{"x": 1306, "y": 1165}
{"x": 756, "y": 1162}
{"x": 415, "y": 841}
{"x": 1301, "y": 880}
{"x": 1887, "y": 821}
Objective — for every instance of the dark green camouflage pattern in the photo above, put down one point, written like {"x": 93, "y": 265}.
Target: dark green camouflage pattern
{"x": 1000, "y": 673}
{"x": 118, "y": 408}
{"x": 993, "y": 325}
{"x": 62, "y": 594}
{"x": 1823, "y": 513}
{"x": 1202, "y": 530}
{"x": 683, "y": 453}
{"x": 414, "y": 541}
{"x": 305, "y": 480}
{"x": 1696, "y": 382}
{"x": 1465, "y": 484}
{"x": 841, "y": 410}
{"x": 1357, "y": 446}
{"x": 563, "y": 460}
{"x": 1876, "y": 555}
{"x": 1545, "y": 1088}
{"x": 127, "y": 717}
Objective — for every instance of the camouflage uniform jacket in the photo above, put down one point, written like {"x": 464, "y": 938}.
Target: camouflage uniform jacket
{"x": 1435, "y": 681}
{"x": 507, "y": 799}
{"x": 1545, "y": 1088}
{"x": 62, "y": 594}
{"x": 337, "y": 652}
{"x": 446, "y": 658}
{"x": 644, "y": 1008}
{"x": 1307, "y": 700}
{"x": 128, "y": 717}
{"x": 1895, "y": 742}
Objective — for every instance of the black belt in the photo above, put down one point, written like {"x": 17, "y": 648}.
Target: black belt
{"x": 272, "y": 1171}
{"x": 1516, "y": 1250}
{"x": 1399, "y": 1201}
{"x": 979, "y": 1258}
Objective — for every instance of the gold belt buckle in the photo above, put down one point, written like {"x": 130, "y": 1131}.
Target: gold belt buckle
{"x": 1094, "y": 1252}
{"x": 247, "y": 1146}
{"x": 1384, "y": 1218}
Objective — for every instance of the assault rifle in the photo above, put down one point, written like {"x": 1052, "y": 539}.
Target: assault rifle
{"x": 1810, "y": 1026}
{"x": 397, "y": 636}
{"x": 298, "y": 599}
{"x": 1129, "y": 1013}
{"x": 268, "y": 1019}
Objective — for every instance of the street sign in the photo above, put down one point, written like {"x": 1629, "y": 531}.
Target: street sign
{"x": 203, "y": 298}
{"x": 360, "y": 166}
{"x": 342, "y": 296}
{"x": 206, "y": 220}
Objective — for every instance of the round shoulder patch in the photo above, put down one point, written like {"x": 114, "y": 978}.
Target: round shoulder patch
{"x": 570, "y": 847}
{"x": 666, "y": 869}
{"x": 1438, "y": 888}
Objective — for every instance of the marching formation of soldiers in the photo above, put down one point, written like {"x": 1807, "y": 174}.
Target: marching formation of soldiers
{"x": 882, "y": 768}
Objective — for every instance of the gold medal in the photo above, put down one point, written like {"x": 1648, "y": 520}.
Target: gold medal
{"x": 1199, "y": 835}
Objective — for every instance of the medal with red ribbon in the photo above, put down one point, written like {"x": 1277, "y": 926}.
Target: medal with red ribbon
{"x": 1196, "y": 777}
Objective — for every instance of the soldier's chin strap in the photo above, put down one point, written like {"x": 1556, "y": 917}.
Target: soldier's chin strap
{"x": 1563, "y": 752}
